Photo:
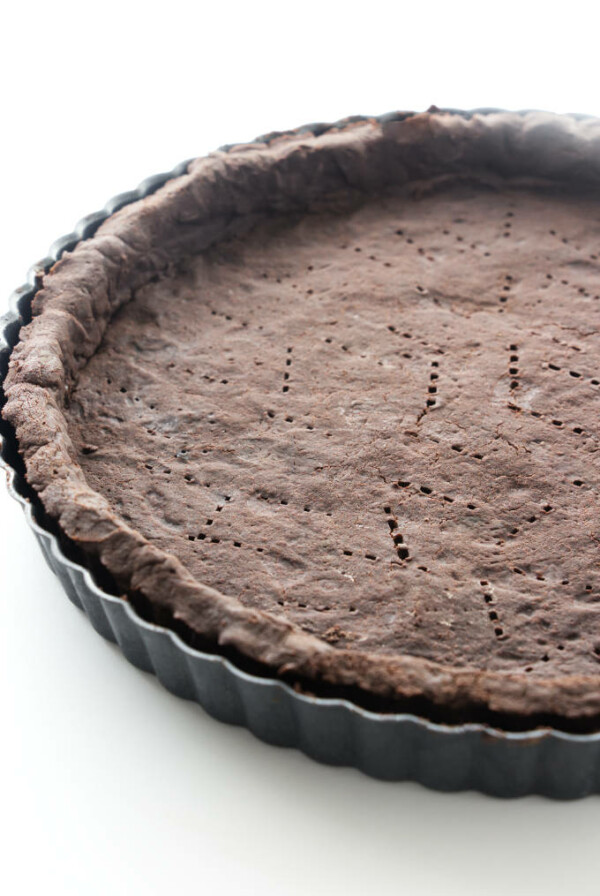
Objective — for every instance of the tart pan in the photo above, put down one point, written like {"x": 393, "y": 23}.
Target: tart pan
{"x": 388, "y": 746}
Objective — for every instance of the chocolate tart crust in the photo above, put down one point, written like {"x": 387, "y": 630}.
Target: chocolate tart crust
{"x": 259, "y": 191}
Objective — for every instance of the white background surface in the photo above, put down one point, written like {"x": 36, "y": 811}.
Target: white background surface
{"x": 108, "y": 783}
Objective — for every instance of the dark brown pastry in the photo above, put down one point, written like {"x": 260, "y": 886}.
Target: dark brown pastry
{"x": 332, "y": 402}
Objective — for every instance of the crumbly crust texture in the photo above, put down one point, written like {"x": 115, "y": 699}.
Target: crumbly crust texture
{"x": 330, "y": 402}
